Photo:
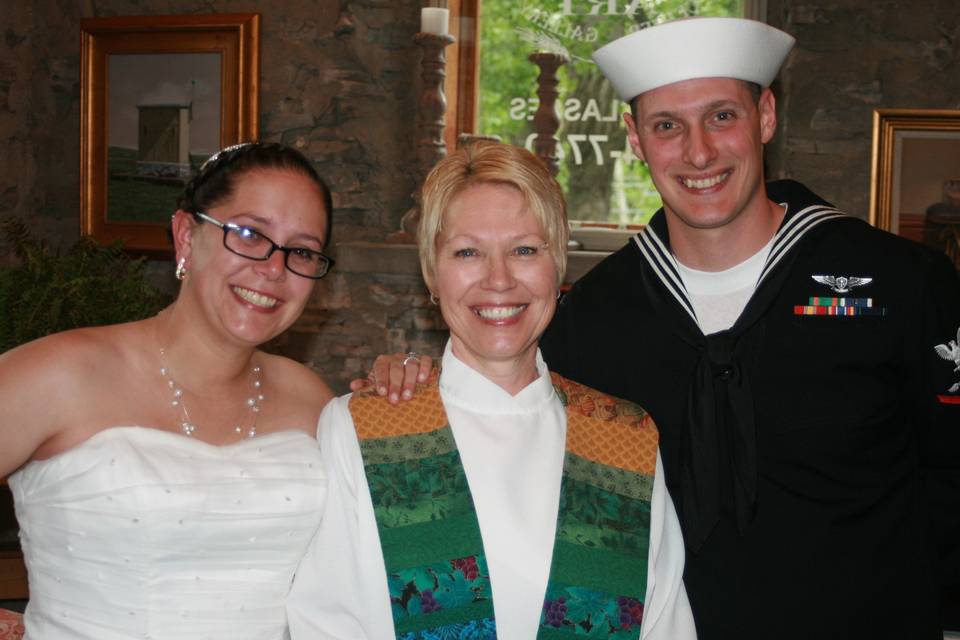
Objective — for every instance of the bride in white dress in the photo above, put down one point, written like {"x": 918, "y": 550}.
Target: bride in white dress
{"x": 165, "y": 472}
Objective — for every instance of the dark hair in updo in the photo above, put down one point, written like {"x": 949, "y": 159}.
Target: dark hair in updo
{"x": 217, "y": 179}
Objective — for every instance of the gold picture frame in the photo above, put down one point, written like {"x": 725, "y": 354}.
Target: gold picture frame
{"x": 915, "y": 151}
{"x": 177, "y": 79}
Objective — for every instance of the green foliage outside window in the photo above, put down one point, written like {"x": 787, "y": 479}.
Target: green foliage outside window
{"x": 602, "y": 179}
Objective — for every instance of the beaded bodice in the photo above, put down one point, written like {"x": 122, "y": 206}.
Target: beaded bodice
{"x": 142, "y": 533}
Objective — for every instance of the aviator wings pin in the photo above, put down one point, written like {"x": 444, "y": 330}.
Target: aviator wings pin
{"x": 842, "y": 284}
{"x": 839, "y": 306}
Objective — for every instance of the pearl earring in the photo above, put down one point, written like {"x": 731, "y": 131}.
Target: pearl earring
{"x": 181, "y": 271}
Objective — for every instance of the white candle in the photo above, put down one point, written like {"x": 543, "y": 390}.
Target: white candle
{"x": 435, "y": 20}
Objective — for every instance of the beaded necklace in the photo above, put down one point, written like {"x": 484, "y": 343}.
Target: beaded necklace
{"x": 187, "y": 426}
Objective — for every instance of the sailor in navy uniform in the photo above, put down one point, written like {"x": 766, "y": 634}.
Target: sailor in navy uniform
{"x": 806, "y": 382}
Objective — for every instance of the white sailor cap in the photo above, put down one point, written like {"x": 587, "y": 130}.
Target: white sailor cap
{"x": 693, "y": 48}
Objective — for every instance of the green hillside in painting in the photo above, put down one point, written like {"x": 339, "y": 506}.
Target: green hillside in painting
{"x": 130, "y": 199}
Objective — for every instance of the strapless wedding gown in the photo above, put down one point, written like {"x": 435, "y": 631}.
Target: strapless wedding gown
{"x": 142, "y": 533}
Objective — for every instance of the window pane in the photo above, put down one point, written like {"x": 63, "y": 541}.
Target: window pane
{"x": 602, "y": 179}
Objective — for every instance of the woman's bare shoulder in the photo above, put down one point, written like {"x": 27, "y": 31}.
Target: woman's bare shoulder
{"x": 295, "y": 394}
{"x": 70, "y": 352}
{"x": 65, "y": 367}
{"x": 55, "y": 354}
{"x": 298, "y": 380}
{"x": 47, "y": 383}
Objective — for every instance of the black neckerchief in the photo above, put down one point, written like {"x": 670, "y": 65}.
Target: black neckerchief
{"x": 719, "y": 399}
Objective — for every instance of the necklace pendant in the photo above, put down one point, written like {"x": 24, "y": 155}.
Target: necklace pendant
{"x": 187, "y": 428}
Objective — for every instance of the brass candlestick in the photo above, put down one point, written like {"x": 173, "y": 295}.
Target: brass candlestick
{"x": 546, "y": 122}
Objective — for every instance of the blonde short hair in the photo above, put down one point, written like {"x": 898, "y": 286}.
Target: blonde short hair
{"x": 485, "y": 162}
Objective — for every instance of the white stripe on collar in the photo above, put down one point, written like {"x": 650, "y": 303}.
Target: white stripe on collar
{"x": 664, "y": 265}
{"x": 794, "y": 228}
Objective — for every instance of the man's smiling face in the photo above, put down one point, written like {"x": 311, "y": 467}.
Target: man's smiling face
{"x": 703, "y": 141}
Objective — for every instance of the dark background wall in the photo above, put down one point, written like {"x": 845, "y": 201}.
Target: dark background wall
{"x": 338, "y": 81}
{"x": 852, "y": 57}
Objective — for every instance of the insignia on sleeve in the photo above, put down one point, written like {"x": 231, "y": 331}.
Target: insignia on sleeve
{"x": 951, "y": 353}
{"x": 842, "y": 284}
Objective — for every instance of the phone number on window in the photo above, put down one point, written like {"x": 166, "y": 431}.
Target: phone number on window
{"x": 585, "y": 147}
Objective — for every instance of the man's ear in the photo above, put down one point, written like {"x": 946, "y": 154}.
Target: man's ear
{"x": 633, "y": 137}
{"x": 767, "y": 106}
{"x": 183, "y": 226}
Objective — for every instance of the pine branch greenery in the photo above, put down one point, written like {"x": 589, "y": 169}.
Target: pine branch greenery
{"x": 50, "y": 291}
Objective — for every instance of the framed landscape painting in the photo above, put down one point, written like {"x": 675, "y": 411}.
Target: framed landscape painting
{"x": 159, "y": 94}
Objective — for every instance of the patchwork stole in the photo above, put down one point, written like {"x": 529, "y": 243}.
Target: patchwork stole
{"x": 436, "y": 568}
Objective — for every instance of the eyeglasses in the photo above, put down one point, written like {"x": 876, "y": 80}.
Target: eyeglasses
{"x": 249, "y": 243}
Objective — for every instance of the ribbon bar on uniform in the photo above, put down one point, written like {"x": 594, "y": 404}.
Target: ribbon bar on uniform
{"x": 818, "y": 301}
{"x": 821, "y": 310}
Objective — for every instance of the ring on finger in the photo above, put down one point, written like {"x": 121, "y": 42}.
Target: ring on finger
{"x": 411, "y": 355}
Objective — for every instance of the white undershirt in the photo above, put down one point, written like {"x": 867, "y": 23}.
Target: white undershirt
{"x": 719, "y": 297}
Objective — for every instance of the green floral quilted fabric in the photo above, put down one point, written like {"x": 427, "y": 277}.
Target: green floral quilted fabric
{"x": 437, "y": 572}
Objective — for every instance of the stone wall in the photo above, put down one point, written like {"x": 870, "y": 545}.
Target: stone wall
{"x": 338, "y": 80}
{"x": 853, "y": 57}
{"x": 40, "y": 115}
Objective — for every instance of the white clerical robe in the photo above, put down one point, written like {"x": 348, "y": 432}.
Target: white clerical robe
{"x": 512, "y": 448}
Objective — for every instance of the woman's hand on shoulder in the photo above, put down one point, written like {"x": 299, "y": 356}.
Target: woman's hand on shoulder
{"x": 396, "y": 375}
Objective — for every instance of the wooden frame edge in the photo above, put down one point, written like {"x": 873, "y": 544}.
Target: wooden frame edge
{"x": 886, "y": 124}
{"x": 240, "y": 124}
